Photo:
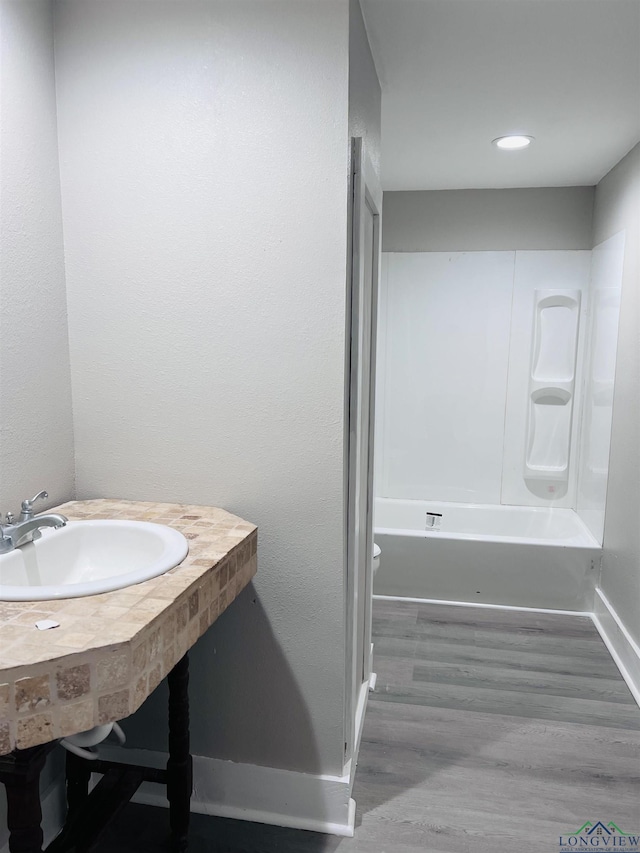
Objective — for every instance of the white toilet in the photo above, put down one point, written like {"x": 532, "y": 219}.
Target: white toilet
{"x": 376, "y": 558}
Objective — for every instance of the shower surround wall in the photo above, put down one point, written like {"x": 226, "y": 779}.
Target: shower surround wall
{"x": 545, "y": 234}
{"x": 470, "y": 408}
{"x": 605, "y": 293}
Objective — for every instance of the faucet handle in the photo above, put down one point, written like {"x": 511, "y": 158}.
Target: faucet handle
{"x": 27, "y": 505}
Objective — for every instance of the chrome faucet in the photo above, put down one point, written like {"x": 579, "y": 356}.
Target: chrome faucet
{"x": 27, "y": 528}
{"x": 26, "y": 508}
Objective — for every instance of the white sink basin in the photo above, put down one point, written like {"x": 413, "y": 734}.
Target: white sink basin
{"x": 88, "y": 557}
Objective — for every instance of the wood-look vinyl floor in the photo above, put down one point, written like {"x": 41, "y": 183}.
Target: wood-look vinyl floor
{"x": 489, "y": 732}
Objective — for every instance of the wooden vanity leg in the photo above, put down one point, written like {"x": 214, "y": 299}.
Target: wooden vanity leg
{"x": 24, "y": 816}
{"x": 179, "y": 765}
{"x": 24, "y": 813}
{"x": 78, "y": 775}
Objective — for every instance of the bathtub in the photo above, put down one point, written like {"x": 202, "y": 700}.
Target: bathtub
{"x": 511, "y": 555}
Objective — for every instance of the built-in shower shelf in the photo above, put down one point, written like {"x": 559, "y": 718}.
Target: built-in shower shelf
{"x": 551, "y": 388}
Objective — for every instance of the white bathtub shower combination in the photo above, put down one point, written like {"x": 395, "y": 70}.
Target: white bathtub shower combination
{"x": 493, "y": 411}
{"x": 511, "y": 555}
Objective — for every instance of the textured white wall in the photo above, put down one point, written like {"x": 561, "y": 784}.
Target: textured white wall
{"x": 204, "y": 164}
{"x": 488, "y": 220}
{"x": 365, "y": 106}
{"x": 617, "y": 208}
{"x": 36, "y": 441}
{"x": 365, "y": 96}
{"x": 36, "y": 438}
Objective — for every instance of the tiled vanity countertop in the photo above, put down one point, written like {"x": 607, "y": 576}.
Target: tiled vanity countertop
{"x": 112, "y": 650}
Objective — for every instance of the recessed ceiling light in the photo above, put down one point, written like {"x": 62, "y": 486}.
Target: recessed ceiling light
{"x": 512, "y": 143}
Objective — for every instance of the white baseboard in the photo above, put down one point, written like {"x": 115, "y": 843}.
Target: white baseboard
{"x": 261, "y": 794}
{"x": 621, "y": 645}
{"x": 240, "y": 791}
{"x": 481, "y": 605}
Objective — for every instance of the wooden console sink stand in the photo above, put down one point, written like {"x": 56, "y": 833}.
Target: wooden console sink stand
{"x": 109, "y": 653}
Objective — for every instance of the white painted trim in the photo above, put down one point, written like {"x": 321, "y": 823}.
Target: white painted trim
{"x": 483, "y": 606}
{"x": 349, "y": 770}
{"x": 261, "y": 794}
{"x": 621, "y": 645}
{"x": 362, "y": 311}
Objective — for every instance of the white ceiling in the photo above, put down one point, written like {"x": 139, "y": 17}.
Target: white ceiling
{"x": 457, "y": 73}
